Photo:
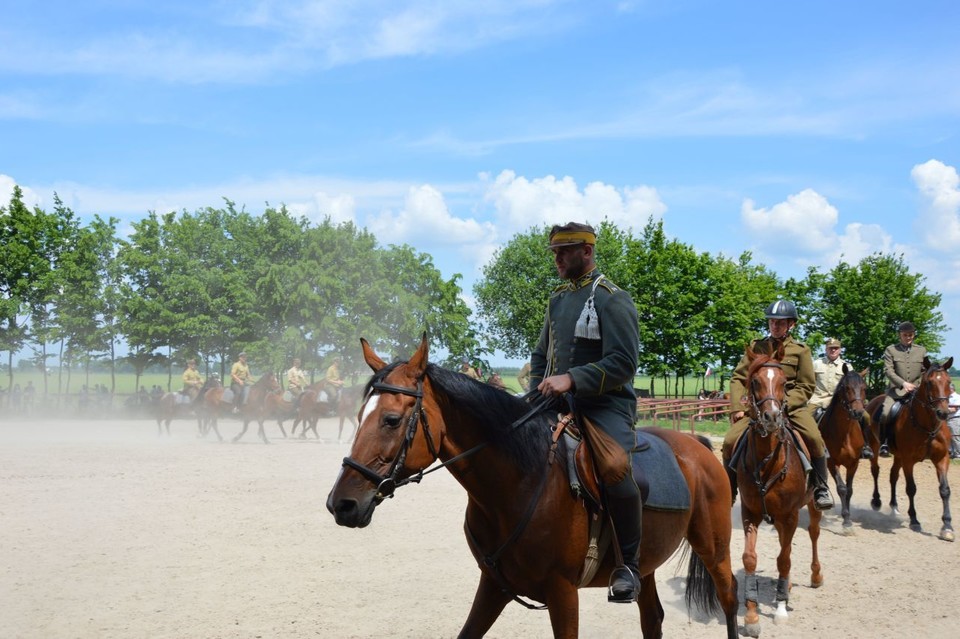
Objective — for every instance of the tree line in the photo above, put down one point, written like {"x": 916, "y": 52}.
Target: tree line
{"x": 210, "y": 283}
{"x": 697, "y": 309}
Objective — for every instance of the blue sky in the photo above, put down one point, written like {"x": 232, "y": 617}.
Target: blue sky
{"x": 800, "y": 131}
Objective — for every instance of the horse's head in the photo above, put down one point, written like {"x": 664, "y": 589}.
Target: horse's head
{"x": 851, "y": 392}
{"x": 766, "y": 383}
{"x": 934, "y": 388}
{"x": 393, "y": 442}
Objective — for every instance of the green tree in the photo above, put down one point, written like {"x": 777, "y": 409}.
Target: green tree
{"x": 864, "y": 304}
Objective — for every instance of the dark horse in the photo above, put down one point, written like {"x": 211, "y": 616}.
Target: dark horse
{"x": 919, "y": 432}
{"x": 840, "y": 427}
{"x": 520, "y": 509}
{"x": 773, "y": 485}
{"x": 172, "y": 406}
{"x": 252, "y": 410}
{"x": 313, "y": 407}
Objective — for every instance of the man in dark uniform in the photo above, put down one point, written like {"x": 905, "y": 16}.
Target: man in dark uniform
{"x": 588, "y": 347}
{"x": 797, "y": 364}
{"x": 903, "y": 366}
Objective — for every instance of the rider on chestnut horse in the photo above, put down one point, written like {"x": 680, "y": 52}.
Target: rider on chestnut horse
{"x": 829, "y": 371}
{"x": 797, "y": 364}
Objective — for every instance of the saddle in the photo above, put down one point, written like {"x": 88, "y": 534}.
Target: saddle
{"x": 593, "y": 458}
{"x": 886, "y": 433}
{"x": 740, "y": 446}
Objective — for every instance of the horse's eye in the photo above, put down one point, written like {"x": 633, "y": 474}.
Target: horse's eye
{"x": 392, "y": 420}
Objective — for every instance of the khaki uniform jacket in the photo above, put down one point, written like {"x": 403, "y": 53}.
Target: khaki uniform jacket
{"x": 828, "y": 375}
{"x": 602, "y": 369}
{"x": 240, "y": 371}
{"x": 797, "y": 365}
{"x": 296, "y": 379}
{"x": 333, "y": 376}
{"x": 902, "y": 364}
{"x": 192, "y": 378}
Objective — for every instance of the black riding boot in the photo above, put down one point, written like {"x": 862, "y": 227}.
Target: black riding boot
{"x": 732, "y": 475}
{"x": 822, "y": 498}
{"x": 626, "y": 513}
{"x": 867, "y": 452}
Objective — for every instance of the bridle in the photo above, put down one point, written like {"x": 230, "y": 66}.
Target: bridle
{"x": 931, "y": 402}
{"x": 765, "y": 430}
{"x": 388, "y": 483}
{"x": 847, "y": 403}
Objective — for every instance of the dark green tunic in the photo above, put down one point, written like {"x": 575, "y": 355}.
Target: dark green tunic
{"x": 602, "y": 369}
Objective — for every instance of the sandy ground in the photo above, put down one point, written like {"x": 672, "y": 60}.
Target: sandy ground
{"x": 107, "y": 530}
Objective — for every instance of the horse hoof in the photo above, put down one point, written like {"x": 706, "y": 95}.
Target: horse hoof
{"x": 946, "y": 535}
{"x": 915, "y": 527}
{"x": 875, "y": 505}
{"x": 751, "y": 629}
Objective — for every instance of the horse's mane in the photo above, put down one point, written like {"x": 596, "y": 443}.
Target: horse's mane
{"x": 264, "y": 380}
{"x": 492, "y": 411}
{"x": 845, "y": 380}
{"x": 760, "y": 360}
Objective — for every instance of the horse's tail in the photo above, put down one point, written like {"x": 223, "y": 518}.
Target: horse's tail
{"x": 701, "y": 591}
{"x": 703, "y": 439}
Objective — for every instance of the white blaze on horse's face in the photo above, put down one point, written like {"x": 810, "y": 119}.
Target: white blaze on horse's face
{"x": 368, "y": 407}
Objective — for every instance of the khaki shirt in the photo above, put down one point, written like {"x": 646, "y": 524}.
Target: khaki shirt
{"x": 797, "y": 366}
{"x": 828, "y": 374}
{"x": 903, "y": 364}
{"x": 523, "y": 377}
{"x": 240, "y": 373}
{"x": 192, "y": 378}
{"x": 333, "y": 376}
{"x": 296, "y": 379}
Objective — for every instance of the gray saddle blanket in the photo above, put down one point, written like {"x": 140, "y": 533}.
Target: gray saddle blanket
{"x": 658, "y": 475}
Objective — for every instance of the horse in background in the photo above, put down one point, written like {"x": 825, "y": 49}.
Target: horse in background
{"x": 416, "y": 413}
{"x": 919, "y": 432}
{"x": 254, "y": 409}
{"x": 315, "y": 403}
{"x": 840, "y": 427}
{"x": 773, "y": 485}
{"x": 179, "y": 405}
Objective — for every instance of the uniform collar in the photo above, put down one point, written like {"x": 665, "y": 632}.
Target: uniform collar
{"x": 583, "y": 280}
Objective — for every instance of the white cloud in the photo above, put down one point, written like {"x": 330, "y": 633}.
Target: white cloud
{"x": 939, "y": 220}
{"x": 805, "y": 221}
{"x": 426, "y": 218}
{"x": 30, "y": 197}
{"x": 521, "y": 202}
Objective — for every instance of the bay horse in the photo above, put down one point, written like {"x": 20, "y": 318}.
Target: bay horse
{"x": 312, "y": 408}
{"x": 840, "y": 427}
{"x": 773, "y": 485}
{"x": 527, "y": 531}
{"x": 171, "y": 406}
{"x": 276, "y": 407}
{"x": 313, "y": 405}
{"x": 919, "y": 432}
{"x": 255, "y": 408}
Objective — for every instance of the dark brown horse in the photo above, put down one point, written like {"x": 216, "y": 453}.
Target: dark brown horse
{"x": 255, "y": 408}
{"x": 840, "y": 427}
{"x": 919, "y": 432}
{"x": 527, "y": 531}
{"x": 172, "y": 406}
{"x": 773, "y": 485}
{"x": 277, "y": 407}
{"x": 314, "y": 405}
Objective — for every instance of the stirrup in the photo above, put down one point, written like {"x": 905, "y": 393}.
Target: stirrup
{"x": 867, "y": 452}
{"x": 630, "y": 596}
{"x": 884, "y": 450}
{"x": 822, "y": 499}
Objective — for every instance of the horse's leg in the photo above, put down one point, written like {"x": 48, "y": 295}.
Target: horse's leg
{"x": 946, "y": 533}
{"x": 816, "y": 576}
{"x": 875, "y": 471}
{"x": 241, "y": 433}
{"x": 340, "y": 431}
{"x": 563, "y": 604}
{"x": 786, "y": 527}
{"x": 751, "y": 619}
{"x": 709, "y": 535}
{"x": 894, "y": 477}
{"x": 488, "y": 602}
{"x": 843, "y": 491}
{"x": 261, "y": 432}
{"x": 216, "y": 429}
{"x": 911, "y": 493}
{"x": 313, "y": 426}
{"x": 280, "y": 424}
{"x": 651, "y": 610}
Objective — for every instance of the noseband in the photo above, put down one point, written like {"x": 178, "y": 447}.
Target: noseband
{"x": 386, "y": 484}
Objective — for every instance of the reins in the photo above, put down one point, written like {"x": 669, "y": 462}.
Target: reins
{"x": 388, "y": 483}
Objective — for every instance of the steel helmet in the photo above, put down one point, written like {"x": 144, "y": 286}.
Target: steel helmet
{"x": 782, "y": 309}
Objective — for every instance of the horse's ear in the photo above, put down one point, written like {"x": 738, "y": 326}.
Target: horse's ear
{"x": 419, "y": 359}
{"x": 947, "y": 365}
{"x": 846, "y": 369}
{"x": 865, "y": 372}
{"x": 926, "y": 362}
{"x": 371, "y": 358}
{"x": 778, "y": 355}
{"x": 749, "y": 352}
